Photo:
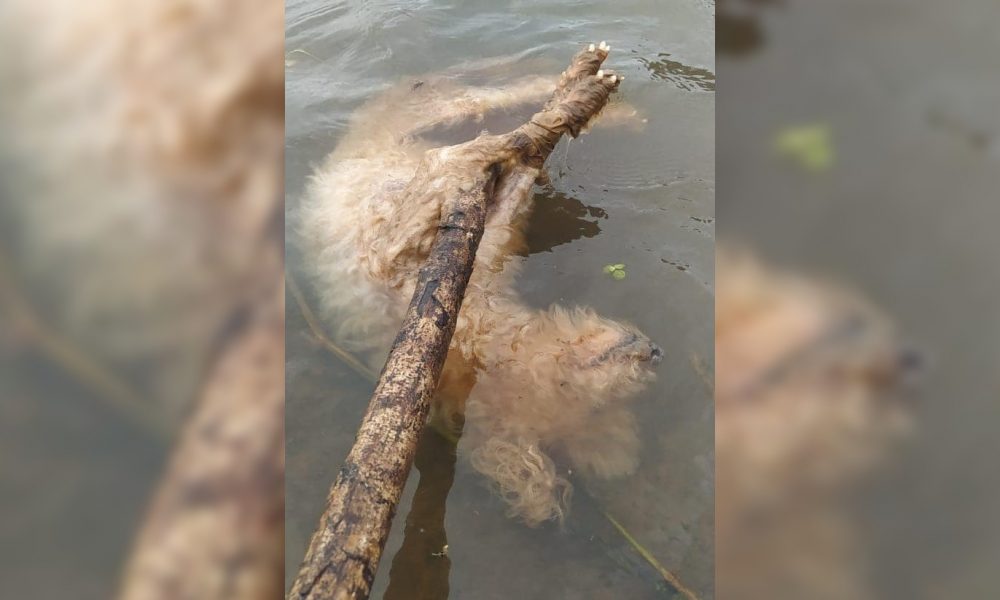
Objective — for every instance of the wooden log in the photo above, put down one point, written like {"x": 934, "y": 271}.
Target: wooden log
{"x": 344, "y": 552}
{"x": 215, "y": 528}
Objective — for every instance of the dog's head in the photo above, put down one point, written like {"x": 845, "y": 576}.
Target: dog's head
{"x": 811, "y": 381}
{"x": 812, "y": 393}
{"x": 597, "y": 360}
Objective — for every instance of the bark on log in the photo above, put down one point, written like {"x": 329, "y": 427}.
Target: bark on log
{"x": 215, "y": 529}
{"x": 344, "y": 551}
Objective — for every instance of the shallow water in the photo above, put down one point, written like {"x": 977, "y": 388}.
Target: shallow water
{"x": 643, "y": 196}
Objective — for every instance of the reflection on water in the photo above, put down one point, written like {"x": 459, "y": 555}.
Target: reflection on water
{"x": 420, "y": 568}
{"x": 738, "y": 34}
{"x": 559, "y": 219}
{"x": 683, "y": 76}
{"x": 738, "y": 26}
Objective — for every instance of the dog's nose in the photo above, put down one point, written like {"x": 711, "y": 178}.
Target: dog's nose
{"x": 655, "y": 355}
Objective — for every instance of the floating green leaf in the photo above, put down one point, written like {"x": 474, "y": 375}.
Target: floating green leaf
{"x": 617, "y": 271}
{"x": 811, "y": 146}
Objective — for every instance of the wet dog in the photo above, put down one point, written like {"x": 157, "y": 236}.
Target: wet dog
{"x": 808, "y": 402}
{"x": 547, "y": 382}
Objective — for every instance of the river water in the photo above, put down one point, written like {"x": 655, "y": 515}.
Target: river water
{"x": 640, "y": 194}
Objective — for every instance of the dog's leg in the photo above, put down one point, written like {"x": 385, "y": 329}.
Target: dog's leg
{"x": 399, "y": 115}
{"x": 513, "y": 192}
{"x": 451, "y": 105}
{"x": 525, "y": 477}
{"x": 606, "y": 446}
{"x": 512, "y": 199}
{"x": 443, "y": 106}
{"x": 405, "y": 110}
{"x": 401, "y": 236}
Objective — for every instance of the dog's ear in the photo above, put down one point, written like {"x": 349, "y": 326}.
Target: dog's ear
{"x": 525, "y": 477}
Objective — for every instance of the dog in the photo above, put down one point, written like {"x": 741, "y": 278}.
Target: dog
{"x": 809, "y": 401}
{"x": 543, "y": 383}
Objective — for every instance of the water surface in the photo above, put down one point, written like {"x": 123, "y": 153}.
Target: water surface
{"x": 643, "y": 196}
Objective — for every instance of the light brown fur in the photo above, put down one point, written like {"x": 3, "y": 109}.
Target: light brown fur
{"x": 806, "y": 404}
{"x": 548, "y": 382}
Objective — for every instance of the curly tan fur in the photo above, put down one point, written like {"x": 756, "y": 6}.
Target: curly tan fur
{"x": 544, "y": 378}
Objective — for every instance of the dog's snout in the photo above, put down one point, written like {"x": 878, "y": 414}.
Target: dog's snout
{"x": 655, "y": 354}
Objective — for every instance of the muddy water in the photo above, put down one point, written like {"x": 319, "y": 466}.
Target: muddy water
{"x": 639, "y": 195}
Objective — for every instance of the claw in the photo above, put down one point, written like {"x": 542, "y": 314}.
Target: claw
{"x": 600, "y": 73}
{"x": 614, "y": 78}
{"x": 591, "y": 49}
{"x": 603, "y": 45}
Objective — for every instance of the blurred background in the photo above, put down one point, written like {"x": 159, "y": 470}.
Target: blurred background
{"x": 858, "y": 149}
{"x": 140, "y": 270}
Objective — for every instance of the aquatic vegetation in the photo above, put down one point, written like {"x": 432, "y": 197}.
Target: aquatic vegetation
{"x": 810, "y": 146}
{"x": 616, "y": 271}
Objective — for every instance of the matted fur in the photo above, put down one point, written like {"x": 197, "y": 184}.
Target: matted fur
{"x": 547, "y": 380}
